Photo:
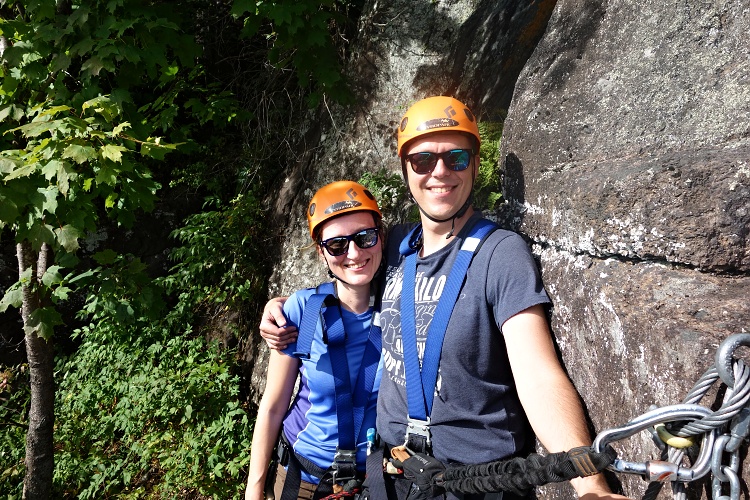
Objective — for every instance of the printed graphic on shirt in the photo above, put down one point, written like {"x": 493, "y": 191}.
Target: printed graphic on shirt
{"x": 427, "y": 293}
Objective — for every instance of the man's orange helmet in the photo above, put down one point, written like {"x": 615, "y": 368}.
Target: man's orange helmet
{"x": 339, "y": 198}
{"x": 436, "y": 114}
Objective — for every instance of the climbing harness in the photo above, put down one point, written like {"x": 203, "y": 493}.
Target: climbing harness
{"x": 420, "y": 383}
{"x": 351, "y": 403}
{"x": 679, "y": 427}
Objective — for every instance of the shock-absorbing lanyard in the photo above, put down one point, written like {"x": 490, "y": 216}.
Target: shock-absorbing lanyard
{"x": 350, "y": 405}
{"x": 420, "y": 383}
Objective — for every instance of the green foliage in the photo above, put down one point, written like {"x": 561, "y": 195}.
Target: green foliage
{"x": 93, "y": 95}
{"x": 487, "y": 189}
{"x": 390, "y": 190}
{"x": 222, "y": 257}
{"x": 119, "y": 291}
{"x": 300, "y": 33}
{"x": 14, "y": 403}
{"x": 156, "y": 416}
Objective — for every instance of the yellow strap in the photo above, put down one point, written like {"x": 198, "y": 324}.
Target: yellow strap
{"x": 672, "y": 440}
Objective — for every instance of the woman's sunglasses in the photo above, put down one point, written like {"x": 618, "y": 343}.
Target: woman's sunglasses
{"x": 339, "y": 245}
{"x": 455, "y": 159}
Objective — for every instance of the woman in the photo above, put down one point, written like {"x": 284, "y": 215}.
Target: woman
{"x": 324, "y": 431}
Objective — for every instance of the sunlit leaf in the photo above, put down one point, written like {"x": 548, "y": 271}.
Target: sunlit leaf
{"x": 112, "y": 152}
{"x": 52, "y": 276}
{"x": 7, "y": 166}
{"x": 35, "y": 129}
{"x": 68, "y": 236}
{"x": 110, "y": 201}
{"x": 50, "y": 198}
{"x": 23, "y": 171}
{"x": 13, "y": 297}
{"x": 55, "y": 110}
{"x": 119, "y": 128}
{"x": 79, "y": 154}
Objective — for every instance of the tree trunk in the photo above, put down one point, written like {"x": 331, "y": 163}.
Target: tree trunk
{"x": 39, "y": 440}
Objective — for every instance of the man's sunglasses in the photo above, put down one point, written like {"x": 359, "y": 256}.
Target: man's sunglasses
{"x": 339, "y": 245}
{"x": 455, "y": 159}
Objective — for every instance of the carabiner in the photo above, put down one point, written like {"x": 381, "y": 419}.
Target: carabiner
{"x": 659, "y": 470}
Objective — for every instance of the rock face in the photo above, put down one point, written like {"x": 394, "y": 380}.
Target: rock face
{"x": 625, "y": 158}
{"x": 625, "y": 154}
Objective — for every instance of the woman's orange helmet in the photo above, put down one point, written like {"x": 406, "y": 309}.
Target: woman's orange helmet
{"x": 436, "y": 114}
{"x": 339, "y": 198}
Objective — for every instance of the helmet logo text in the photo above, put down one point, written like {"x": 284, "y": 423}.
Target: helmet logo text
{"x": 437, "y": 123}
{"x": 351, "y": 194}
{"x": 342, "y": 205}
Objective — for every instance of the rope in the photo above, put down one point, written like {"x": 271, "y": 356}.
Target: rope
{"x": 519, "y": 475}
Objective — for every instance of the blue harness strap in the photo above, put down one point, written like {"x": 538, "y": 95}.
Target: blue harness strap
{"x": 350, "y": 404}
{"x": 421, "y": 382}
{"x": 325, "y": 292}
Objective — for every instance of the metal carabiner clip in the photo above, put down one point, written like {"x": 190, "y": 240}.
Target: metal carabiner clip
{"x": 660, "y": 470}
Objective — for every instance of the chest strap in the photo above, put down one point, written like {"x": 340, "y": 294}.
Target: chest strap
{"x": 421, "y": 380}
{"x": 350, "y": 404}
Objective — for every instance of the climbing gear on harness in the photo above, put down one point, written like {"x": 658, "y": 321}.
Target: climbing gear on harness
{"x": 721, "y": 431}
{"x": 339, "y": 198}
{"x": 516, "y": 475}
{"x": 422, "y": 469}
{"x": 421, "y": 383}
{"x": 350, "y": 403}
{"x": 436, "y": 114}
{"x": 519, "y": 475}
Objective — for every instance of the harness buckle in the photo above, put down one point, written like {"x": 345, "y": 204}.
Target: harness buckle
{"x": 418, "y": 432}
{"x": 344, "y": 465}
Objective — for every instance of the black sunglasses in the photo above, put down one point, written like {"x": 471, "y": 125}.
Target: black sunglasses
{"x": 455, "y": 159}
{"x": 339, "y": 245}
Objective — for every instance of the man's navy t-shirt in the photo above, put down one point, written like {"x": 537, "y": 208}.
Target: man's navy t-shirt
{"x": 476, "y": 415}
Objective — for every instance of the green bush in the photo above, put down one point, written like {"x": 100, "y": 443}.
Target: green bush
{"x": 14, "y": 403}
{"x": 390, "y": 191}
{"x": 157, "y": 417}
{"x": 487, "y": 189}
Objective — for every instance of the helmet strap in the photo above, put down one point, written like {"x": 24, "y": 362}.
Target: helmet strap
{"x": 333, "y": 276}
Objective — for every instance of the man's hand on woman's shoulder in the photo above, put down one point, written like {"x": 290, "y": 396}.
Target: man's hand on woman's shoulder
{"x": 273, "y": 325}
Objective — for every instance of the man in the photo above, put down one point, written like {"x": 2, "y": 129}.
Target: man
{"x": 488, "y": 331}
